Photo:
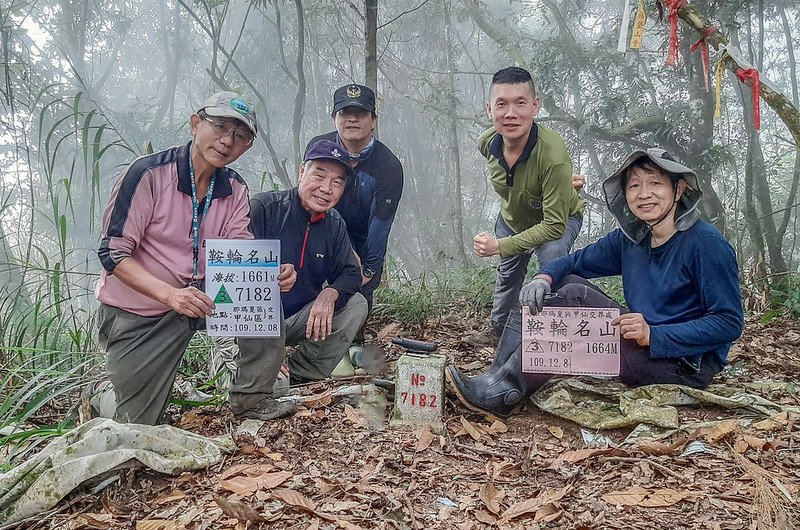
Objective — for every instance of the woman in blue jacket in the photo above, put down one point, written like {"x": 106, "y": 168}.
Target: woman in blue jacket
{"x": 680, "y": 280}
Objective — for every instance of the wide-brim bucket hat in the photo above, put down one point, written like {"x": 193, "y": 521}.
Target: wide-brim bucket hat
{"x": 687, "y": 212}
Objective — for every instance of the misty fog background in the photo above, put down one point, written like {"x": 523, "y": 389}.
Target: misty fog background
{"x": 87, "y": 86}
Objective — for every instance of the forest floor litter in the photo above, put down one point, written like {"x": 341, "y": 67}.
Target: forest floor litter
{"x": 336, "y": 464}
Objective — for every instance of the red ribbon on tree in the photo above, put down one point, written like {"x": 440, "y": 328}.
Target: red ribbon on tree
{"x": 701, "y": 42}
{"x": 673, "y": 6}
{"x": 755, "y": 88}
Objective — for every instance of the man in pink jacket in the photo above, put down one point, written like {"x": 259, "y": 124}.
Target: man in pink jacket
{"x": 162, "y": 209}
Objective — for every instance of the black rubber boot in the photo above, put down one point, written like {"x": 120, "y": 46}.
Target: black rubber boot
{"x": 509, "y": 340}
{"x": 497, "y": 392}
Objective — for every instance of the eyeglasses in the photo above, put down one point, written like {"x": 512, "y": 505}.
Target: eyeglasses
{"x": 222, "y": 129}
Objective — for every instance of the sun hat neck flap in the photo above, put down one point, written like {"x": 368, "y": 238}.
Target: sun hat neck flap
{"x": 686, "y": 214}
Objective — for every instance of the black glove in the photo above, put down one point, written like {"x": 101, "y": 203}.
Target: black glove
{"x": 532, "y": 295}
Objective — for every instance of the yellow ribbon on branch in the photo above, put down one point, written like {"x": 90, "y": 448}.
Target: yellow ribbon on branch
{"x": 638, "y": 26}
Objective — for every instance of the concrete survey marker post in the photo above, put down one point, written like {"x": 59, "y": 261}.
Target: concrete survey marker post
{"x": 242, "y": 280}
{"x": 419, "y": 392}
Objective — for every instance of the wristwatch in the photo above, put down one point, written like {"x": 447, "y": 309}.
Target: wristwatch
{"x": 368, "y": 273}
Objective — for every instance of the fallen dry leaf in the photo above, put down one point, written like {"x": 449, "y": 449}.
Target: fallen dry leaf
{"x": 319, "y": 400}
{"x": 245, "y": 486}
{"x": 169, "y": 497}
{"x": 424, "y": 438}
{"x": 666, "y": 497}
{"x": 471, "y": 430}
{"x": 630, "y": 497}
{"x": 99, "y": 521}
{"x": 240, "y": 510}
{"x": 755, "y": 442}
{"x": 485, "y": 517}
{"x": 491, "y": 497}
{"x": 533, "y": 505}
{"x": 298, "y": 500}
{"x": 158, "y": 524}
{"x": 346, "y": 525}
{"x": 498, "y": 426}
{"x": 721, "y": 430}
{"x": 521, "y": 508}
{"x": 294, "y": 498}
{"x": 573, "y": 457}
{"x": 498, "y": 468}
{"x": 558, "y": 432}
{"x": 388, "y": 332}
{"x": 342, "y": 506}
{"x": 548, "y": 512}
{"x": 638, "y": 496}
{"x": 654, "y": 448}
{"x": 355, "y": 416}
{"x": 250, "y": 470}
{"x": 775, "y": 421}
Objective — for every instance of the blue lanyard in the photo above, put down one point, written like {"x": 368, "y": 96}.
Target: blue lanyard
{"x": 195, "y": 215}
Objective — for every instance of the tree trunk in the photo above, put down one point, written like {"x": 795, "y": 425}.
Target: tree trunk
{"x": 757, "y": 187}
{"x": 300, "y": 94}
{"x": 791, "y": 200}
{"x": 452, "y": 127}
{"x": 371, "y": 44}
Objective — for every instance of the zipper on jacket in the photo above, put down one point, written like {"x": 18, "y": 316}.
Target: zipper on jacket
{"x": 303, "y": 250}
{"x": 313, "y": 219}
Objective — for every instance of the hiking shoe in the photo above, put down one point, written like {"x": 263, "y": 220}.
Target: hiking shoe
{"x": 482, "y": 339}
{"x": 265, "y": 409}
{"x": 97, "y": 401}
{"x": 344, "y": 369}
{"x": 281, "y": 386}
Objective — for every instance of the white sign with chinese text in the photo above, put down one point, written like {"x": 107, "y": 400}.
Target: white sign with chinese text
{"x": 570, "y": 341}
{"x": 242, "y": 280}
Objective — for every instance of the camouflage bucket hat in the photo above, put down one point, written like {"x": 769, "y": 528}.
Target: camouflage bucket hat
{"x": 687, "y": 212}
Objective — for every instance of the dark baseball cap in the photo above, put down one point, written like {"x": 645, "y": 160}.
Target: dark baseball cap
{"x": 328, "y": 150}
{"x": 231, "y": 105}
{"x": 353, "y": 96}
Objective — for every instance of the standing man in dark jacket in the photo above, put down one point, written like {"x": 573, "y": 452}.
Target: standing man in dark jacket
{"x": 369, "y": 203}
{"x": 324, "y": 310}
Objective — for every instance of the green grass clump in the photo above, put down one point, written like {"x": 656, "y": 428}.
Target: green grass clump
{"x": 467, "y": 290}
{"x": 785, "y": 296}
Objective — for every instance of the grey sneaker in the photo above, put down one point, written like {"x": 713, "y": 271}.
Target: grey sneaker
{"x": 264, "y": 409}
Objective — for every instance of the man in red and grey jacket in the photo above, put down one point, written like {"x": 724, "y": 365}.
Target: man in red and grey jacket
{"x": 162, "y": 209}
{"x": 324, "y": 310}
